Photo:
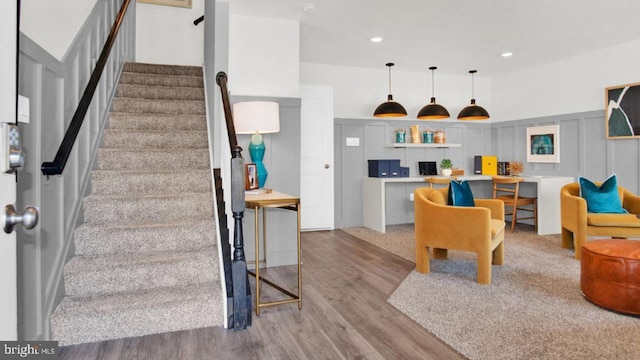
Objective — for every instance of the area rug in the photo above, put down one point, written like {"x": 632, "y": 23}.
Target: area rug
{"x": 532, "y": 310}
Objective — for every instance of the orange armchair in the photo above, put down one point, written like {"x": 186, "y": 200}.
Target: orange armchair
{"x": 577, "y": 224}
{"x": 478, "y": 229}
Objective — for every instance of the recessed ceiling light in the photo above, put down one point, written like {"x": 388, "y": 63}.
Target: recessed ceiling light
{"x": 309, "y": 8}
{"x": 506, "y": 54}
{"x": 376, "y": 39}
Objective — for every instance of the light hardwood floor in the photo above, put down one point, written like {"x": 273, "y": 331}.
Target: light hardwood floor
{"x": 344, "y": 315}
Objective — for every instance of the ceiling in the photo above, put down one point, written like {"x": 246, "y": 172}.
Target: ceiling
{"x": 455, "y": 35}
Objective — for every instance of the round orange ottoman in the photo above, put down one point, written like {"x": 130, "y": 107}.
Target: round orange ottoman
{"x": 610, "y": 274}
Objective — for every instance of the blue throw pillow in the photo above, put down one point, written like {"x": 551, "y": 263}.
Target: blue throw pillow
{"x": 460, "y": 194}
{"x": 602, "y": 199}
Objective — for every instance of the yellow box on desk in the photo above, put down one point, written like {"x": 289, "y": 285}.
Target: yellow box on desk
{"x": 485, "y": 165}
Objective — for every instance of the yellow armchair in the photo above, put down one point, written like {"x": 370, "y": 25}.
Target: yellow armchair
{"x": 577, "y": 224}
{"x": 478, "y": 229}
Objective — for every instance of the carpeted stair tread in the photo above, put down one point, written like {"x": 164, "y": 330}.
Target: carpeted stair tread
{"x": 107, "y": 274}
{"x": 161, "y": 80}
{"x": 90, "y": 319}
{"x": 160, "y": 92}
{"x": 141, "y": 139}
{"x": 105, "y": 182}
{"x": 162, "y": 69}
{"x": 168, "y": 122}
{"x": 158, "y": 106}
{"x": 146, "y": 258}
{"x": 152, "y": 159}
{"x": 105, "y": 209}
{"x": 91, "y": 240}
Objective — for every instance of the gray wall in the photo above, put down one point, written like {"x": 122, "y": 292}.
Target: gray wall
{"x": 352, "y": 166}
{"x": 54, "y": 89}
{"x": 584, "y": 151}
{"x": 282, "y": 160}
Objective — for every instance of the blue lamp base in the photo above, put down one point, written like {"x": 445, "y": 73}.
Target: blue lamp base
{"x": 256, "y": 151}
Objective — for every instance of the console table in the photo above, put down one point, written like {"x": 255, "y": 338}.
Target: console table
{"x": 281, "y": 201}
{"x": 547, "y": 189}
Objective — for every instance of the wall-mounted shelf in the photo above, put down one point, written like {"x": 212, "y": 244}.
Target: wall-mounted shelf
{"x": 422, "y": 145}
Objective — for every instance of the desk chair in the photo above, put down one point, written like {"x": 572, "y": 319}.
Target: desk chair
{"x": 442, "y": 180}
{"x": 507, "y": 188}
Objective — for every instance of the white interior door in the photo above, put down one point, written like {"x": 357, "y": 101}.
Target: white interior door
{"x": 316, "y": 168}
{"x": 8, "y": 277}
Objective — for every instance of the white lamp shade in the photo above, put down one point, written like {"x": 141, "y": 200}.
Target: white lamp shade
{"x": 256, "y": 116}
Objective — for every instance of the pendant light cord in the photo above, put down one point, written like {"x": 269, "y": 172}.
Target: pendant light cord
{"x": 389, "y": 78}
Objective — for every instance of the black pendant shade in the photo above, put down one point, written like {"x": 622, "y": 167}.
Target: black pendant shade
{"x": 390, "y": 108}
{"x": 473, "y": 111}
{"x": 433, "y": 111}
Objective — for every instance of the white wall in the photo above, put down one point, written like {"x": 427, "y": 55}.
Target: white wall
{"x": 166, "y": 34}
{"x": 567, "y": 86}
{"x": 264, "y": 56}
{"x": 54, "y": 24}
{"x": 358, "y": 91}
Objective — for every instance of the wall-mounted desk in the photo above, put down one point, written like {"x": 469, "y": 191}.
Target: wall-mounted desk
{"x": 547, "y": 190}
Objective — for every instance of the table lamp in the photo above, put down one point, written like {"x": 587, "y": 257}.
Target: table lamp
{"x": 257, "y": 118}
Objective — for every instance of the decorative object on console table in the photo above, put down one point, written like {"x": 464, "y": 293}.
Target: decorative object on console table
{"x": 446, "y": 165}
{"x": 473, "y": 111}
{"x": 623, "y": 111}
{"x": 250, "y": 177}
{"x": 257, "y": 118}
{"x": 543, "y": 144}
{"x": 390, "y": 108}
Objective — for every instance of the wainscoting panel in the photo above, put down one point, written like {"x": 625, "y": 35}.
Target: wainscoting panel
{"x": 54, "y": 89}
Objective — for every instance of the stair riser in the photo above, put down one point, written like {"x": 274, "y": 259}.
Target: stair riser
{"x": 162, "y": 69}
{"x": 108, "y": 240}
{"x": 113, "y": 182}
{"x": 150, "y": 140}
{"x": 160, "y": 80}
{"x": 152, "y": 160}
{"x": 159, "y": 92}
{"x": 152, "y": 106}
{"x": 108, "y": 210}
{"x": 135, "y": 121}
{"x": 102, "y": 280}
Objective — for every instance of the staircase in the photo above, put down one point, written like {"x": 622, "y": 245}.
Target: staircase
{"x": 146, "y": 259}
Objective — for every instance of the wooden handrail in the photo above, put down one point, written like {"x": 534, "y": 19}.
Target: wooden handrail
{"x": 221, "y": 80}
{"x": 56, "y": 167}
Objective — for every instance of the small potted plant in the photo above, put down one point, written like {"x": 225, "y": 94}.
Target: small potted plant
{"x": 446, "y": 165}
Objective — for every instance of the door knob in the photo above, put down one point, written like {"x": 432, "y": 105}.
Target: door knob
{"x": 29, "y": 218}
{"x": 326, "y": 166}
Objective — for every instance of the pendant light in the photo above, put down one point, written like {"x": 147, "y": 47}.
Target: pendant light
{"x": 433, "y": 111}
{"x": 473, "y": 111}
{"x": 390, "y": 108}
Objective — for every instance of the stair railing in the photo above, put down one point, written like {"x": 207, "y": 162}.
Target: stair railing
{"x": 56, "y": 167}
{"x": 241, "y": 292}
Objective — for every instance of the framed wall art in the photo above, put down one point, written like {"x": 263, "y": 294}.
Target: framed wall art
{"x": 178, "y": 3}
{"x": 251, "y": 177}
{"x": 543, "y": 144}
{"x": 622, "y": 106}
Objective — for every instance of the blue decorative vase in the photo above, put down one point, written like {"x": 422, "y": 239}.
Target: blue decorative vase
{"x": 256, "y": 151}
